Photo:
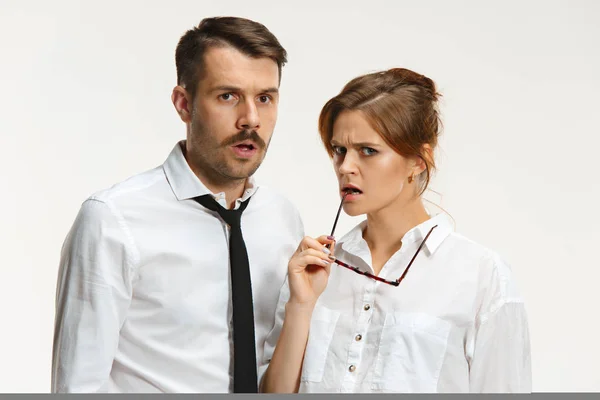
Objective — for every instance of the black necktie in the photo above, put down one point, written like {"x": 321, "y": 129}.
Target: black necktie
{"x": 244, "y": 348}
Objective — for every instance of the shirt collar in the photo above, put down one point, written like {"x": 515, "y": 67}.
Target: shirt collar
{"x": 437, "y": 236}
{"x": 186, "y": 185}
{"x": 354, "y": 241}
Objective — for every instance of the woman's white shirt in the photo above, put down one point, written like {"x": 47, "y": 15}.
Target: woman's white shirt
{"x": 456, "y": 323}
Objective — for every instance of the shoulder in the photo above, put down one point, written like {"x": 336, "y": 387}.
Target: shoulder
{"x": 107, "y": 208}
{"x": 275, "y": 203}
{"x": 496, "y": 279}
{"x": 102, "y": 220}
{"x": 484, "y": 257}
{"x": 266, "y": 195}
{"x": 136, "y": 185}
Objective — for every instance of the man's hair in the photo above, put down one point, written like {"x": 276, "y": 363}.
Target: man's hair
{"x": 248, "y": 37}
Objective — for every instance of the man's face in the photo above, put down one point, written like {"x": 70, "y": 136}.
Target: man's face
{"x": 233, "y": 114}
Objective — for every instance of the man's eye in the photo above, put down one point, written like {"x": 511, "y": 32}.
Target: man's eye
{"x": 264, "y": 99}
{"x": 226, "y": 96}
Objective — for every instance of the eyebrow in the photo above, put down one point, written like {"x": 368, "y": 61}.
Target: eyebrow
{"x": 225, "y": 88}
{"x": 360, "y": 144}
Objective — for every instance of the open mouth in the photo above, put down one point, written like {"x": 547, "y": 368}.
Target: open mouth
{"x": 245, "y": 147}
{"x": 245, "y": 150}
{"x": 350, "y": 190}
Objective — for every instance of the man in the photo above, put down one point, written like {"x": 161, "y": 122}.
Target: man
{"x": 146, "y": 301}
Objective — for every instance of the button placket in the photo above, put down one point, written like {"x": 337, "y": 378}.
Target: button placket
{"x": 357, "y": 346}
{"x": 368, "y": 296}
{"x": 355, "y": 351}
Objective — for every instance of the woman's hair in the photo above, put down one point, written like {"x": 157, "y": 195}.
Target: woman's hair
{"x": 400, "y": 105}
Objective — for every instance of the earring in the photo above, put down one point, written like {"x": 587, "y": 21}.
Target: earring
{"x": 411, "y": 178}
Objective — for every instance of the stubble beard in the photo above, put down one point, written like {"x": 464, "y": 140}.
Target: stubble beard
{"x": 216, "y": 161}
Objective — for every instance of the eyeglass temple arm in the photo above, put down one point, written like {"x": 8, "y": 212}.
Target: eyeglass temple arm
{"x": 358, "y": 271}
{"x": 415, "y": 256}
{"x": 337, "y": 217}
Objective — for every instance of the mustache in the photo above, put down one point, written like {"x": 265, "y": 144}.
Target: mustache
{"x": 245, "y": 135}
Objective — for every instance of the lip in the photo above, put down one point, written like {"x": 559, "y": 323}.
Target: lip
{"x": 242, "y": 152}
{"x": 350, "y": 196}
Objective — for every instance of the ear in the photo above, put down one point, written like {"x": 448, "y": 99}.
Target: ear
{"x": 420, "y": 164}
{"x": 183, "y": 103}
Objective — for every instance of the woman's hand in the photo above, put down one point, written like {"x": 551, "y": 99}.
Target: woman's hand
{"x": 308, "y": 270}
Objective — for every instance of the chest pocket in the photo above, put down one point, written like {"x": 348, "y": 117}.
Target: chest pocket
{"x": 411, "y": 352}
{"x": 322, "y": 327}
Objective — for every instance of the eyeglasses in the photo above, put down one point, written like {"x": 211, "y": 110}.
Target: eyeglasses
{"x": 368, "y": 274}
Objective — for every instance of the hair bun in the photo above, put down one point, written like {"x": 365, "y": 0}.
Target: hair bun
{"x": 408, "y": 77}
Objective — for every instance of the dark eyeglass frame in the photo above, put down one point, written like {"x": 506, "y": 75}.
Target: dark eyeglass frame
{"x": 368, "y": 274}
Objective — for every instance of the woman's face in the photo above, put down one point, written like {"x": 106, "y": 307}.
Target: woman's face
{"x": 363, "y": 161}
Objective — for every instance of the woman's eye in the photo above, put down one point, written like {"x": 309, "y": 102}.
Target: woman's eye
{"x": 367, "y": 151}
{"x": 338, "y": 150}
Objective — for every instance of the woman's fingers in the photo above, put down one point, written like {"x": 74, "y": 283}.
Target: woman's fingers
{"x": 309, "y": 260}
{"x": 311, "y": 257}
{"x": 319, "y": 243}
{"x": 305, "y": 268}
{"x": 325, "y": 239}
{"x": 315, "y": 242}
{"x": 328, "y": 242}
{"x": 312, "y": 251}
{"x": 322, "y": 253}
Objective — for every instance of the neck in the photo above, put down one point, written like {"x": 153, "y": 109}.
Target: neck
{"x": 216, "y": 183}
{"x": 386, "y": 227}
{"x": 233, "y": 189}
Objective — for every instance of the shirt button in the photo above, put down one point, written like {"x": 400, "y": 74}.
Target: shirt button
{"x": 352, "y": 368}
{"x": 367, "y": 307}
{"x": 358, "y": 337}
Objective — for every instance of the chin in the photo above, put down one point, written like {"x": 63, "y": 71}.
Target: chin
{"x": 242, "y": 171}
{"x": 353, "y": 210}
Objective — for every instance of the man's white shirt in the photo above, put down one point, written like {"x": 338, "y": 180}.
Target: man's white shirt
{"x": 143, "y": 296}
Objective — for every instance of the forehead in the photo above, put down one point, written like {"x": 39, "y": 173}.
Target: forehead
{"x": 226, "y": 66}
{"x": 352, "y": 126}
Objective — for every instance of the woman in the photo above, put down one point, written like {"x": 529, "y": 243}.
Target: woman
{"x": 453, "y": 322}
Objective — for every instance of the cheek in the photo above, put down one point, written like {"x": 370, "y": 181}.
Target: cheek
{"x": 221, "y": 116}
{"x": 215, "y": 112}
{"x": 219, "y": 121}
{"x": 336, "y": 167}
{"x": 386, "y": 175}
{"x": 268, "y": 118}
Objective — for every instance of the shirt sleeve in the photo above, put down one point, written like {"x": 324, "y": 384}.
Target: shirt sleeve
{"x": 273, "y": 336}
{"x": 93, "y": 294}
{"x": 297, "y": 227}
{"x": 501, "y": 359}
